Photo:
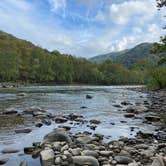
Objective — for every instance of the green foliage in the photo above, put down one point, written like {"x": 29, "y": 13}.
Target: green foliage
{"x": 157, "y": 77}
{"x": 22, "y": 61}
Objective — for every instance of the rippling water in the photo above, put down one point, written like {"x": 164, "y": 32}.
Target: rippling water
{"x": 64, "y": 100}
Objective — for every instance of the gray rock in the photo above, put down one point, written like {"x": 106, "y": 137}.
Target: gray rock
{"x": 3, "y": 160}
{"x": 123, "y": 159}
{"x": 27, "y": 130}
{"x": 75, "y": 151}
{"x": 90, "y": 153}
{"x": 10, "y": 112}
{"x": 23, "y": 163}
{"x": 60, "y": 120}
{"x": 89, "y": 97}
{"x": 85, "y": 160}
{"x": 105, "y": 153}
{"x": 94, "y": 121}
{"x": 29, "y": 150}
{"x": 57, "y": 135}
{"x": 136, "y": 109}
{"x": 159, "y": 161}
{"x": 47, "y": 157}
{"x": 152, "y": 118}
{"x": 58, "y": 160}
{"x": 129, "y": 115}
{"x": 46, "y": 122}
{"x": 10, "y": 150}
{"x": 84, "y": 139}
{"x": 21, "y": 94}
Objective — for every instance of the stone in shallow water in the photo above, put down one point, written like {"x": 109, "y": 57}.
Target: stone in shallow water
{"x": 129, "y": 115}
{"x": 10, "y": 150}
{"x": 94, "y": 121}
{"x": 89, "y": 97}
{"x": 136, "y": 109}
{"x": 27, "y": 130}
{"x": 60, "y": 120}
{"x": 10, "y": 112}
{"x": 3, "y": 160}
{"x": 23, "y": 163}
{"x": 152, "y": 118}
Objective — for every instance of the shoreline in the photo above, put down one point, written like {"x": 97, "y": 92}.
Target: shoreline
{"x": 24, "y": 84}
{"x": 138, "y": 151}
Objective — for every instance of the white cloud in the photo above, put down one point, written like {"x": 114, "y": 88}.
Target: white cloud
{"x": 141, "y": 10}
{"x": 88, "y": 41}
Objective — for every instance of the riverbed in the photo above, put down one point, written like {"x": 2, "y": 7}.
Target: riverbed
{"x": 104, "y": 106}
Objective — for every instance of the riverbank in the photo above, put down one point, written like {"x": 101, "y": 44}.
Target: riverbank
{"x": 64, "y": 147}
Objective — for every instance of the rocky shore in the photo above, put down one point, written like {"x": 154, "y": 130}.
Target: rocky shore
{"x": 62, "y": 147}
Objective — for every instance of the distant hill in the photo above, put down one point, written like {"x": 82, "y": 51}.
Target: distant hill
{"x": 127, "y": 57}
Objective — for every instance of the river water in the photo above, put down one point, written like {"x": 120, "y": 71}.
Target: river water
{"x": 64, "y": 100}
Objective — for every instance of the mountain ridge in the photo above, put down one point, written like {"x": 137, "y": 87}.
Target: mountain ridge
{"x": 127, "y": 57}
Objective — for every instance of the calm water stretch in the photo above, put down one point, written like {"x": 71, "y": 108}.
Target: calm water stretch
{"x": 64, "y": 100}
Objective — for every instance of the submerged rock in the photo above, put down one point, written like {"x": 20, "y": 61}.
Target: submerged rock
{"x": 94, "y": 121}
{"x": 23, "y": 163}
{"x": 89, "y": 97}
{"x": 129, "y": 115}
{"x": 10, "y": 150}
{"x": 27, "y": 130}
{"x": 136, "y": 109}
{"x": 3, "y": 160}
{"x": 60, "y": 120}
{"x": 10, "y": 112}
{"x": 152, "y": 118}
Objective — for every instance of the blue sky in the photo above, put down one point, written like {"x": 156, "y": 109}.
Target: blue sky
{"x": 83, "y": 27}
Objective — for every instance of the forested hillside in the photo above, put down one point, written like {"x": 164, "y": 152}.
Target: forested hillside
{"x": 128, "y": 57}
{"x": 23, "y": 61}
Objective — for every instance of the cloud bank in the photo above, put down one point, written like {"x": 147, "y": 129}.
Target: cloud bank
{"x": 83, "y": 28}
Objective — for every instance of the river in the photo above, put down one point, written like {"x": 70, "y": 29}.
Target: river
{"x": 65, "y": 100}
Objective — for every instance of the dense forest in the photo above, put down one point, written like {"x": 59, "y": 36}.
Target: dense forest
{"x": 22, "y": 61}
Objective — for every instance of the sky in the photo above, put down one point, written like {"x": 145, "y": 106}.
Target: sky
{"x": 83, "y": 28}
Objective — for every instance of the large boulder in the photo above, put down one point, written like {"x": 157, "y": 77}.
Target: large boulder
{"x": 47, "y": 157}
{"x": 57, "y": 135}
{"x": 159, "y": 161}
{"x": 123, "y": 160}
{"x": 85, "y": 160}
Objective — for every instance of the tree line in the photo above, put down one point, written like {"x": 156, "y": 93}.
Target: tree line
{"x": 22, "y": 61}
